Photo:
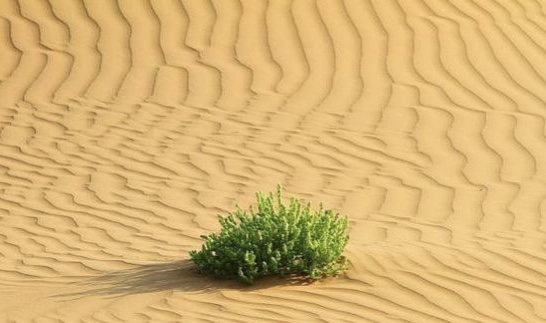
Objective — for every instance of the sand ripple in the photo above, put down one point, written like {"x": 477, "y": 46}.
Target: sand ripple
{"x": 126, "y": 126}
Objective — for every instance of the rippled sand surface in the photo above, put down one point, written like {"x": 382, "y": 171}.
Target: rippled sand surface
{"x": 127, "y": 126}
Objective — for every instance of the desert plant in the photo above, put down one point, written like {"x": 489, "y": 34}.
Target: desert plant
{"x": 275, "y": 239}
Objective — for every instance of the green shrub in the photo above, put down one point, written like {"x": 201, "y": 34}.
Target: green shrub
{"x": 275, "y": 239}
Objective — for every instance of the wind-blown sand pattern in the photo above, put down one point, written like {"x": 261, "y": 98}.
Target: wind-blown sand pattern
{"x": 127, "y": 126}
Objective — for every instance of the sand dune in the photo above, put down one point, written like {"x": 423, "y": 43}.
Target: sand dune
{"x": 126, "y": 126}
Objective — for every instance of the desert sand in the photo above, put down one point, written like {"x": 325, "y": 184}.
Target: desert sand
{"x": 127, "y": 126}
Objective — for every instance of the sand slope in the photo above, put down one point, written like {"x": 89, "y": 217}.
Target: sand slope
{"x": 126, "y": 126}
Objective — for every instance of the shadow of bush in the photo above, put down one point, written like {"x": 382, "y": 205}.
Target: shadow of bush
{"x": 171, "y": 276}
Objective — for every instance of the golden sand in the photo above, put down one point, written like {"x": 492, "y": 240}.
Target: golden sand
{"x": 127, "y": 126}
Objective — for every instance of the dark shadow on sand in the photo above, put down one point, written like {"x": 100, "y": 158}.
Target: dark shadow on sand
{"x": 171, "y": 276}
